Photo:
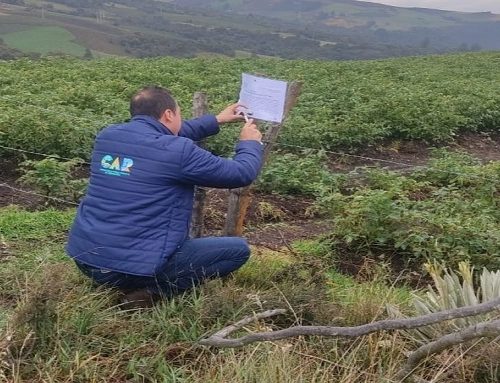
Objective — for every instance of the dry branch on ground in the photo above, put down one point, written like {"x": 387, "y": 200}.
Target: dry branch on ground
{"x": 486, "y": 329}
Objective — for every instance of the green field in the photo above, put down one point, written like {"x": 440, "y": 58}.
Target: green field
{"x": 343, "y": 106}
{"x": 44, "y": 40}
{"x": 380, "y": 230}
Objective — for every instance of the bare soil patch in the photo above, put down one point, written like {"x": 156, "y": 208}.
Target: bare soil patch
{"x": 401, "y": 155}
{"x": 277, "y": 237}
{"x": 8, "y": 196}
{"x": 283, "y": 220}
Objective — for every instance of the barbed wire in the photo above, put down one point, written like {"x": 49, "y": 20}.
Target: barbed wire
{"x": 357, "y": 156}
{"x": 373, "y": 159}
{"x": 410, "y": 166}
{"x": 282, "y": 144}
{"x": 266, "y": 142}
{"x": 349, "y": 155}
{"x": 60, "y": 200}
{"x": 55, "y": 156}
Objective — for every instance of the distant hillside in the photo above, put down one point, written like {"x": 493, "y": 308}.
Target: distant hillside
{"x": 444, "y": 29}
{"x": 345, "y": 13}
{"x": 319, "y": 29}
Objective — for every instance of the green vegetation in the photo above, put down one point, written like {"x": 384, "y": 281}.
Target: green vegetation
{"x": 55, "y": 325}
{"x": 449, "y": 212}
{"x": 289, "y": 173}
{"x": 77, "y": 323}
{"x": 54, "y": 178}
{"x": 57, "y": 105}
{"x": 292, "y": 30}
{"x": 44, "y": 40}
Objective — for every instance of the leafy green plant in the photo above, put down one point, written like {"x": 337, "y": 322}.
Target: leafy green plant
{"x": 53, "y": 178}
{"x": 289, "y": 173}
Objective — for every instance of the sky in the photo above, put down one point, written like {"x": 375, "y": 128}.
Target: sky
{"x": 452, "y": 5}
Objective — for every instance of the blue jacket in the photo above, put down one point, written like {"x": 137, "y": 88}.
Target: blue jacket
{"x": 137, "y": 209}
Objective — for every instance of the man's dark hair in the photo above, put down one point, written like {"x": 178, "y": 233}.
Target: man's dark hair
{"x": 152, "y": 101}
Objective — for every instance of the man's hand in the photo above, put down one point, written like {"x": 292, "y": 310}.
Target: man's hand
{"x": 230, "y": 114}
{"x": 250, "y": 132}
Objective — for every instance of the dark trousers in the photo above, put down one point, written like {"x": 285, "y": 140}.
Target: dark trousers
{"x": 196, "y": 260}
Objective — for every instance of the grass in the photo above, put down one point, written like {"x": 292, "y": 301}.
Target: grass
{"x": 44, "y": 40}
{"x": 84, "y": 32}
{"x": 57, "y": 327}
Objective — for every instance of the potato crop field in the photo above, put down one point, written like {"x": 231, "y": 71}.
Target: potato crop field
{"x": 381, "y": 200}
{"x": 57, "y": 105}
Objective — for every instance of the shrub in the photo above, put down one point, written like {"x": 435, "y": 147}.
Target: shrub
{"x": 289, "y": 173}
{"x": 53, "y": 178}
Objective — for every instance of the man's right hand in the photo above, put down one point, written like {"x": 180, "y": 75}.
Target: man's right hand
{"x": 250, "y": 132}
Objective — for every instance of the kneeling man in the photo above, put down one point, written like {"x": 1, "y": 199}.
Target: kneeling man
{"x": 131, "y": 230}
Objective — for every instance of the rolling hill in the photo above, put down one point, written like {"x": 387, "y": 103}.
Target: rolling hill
{"x": 345, "y": 13}
{"x": 307, "y": 29}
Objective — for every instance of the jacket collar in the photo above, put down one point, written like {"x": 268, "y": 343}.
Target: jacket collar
{"x": 153, "y": 123}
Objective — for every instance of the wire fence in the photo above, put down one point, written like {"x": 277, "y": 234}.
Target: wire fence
{"x": 377, "y": 160}
{"x": 55, "y": 156}
{"x": 374, "y": 160}
{"x": 281, "y": 144}
{"x": 28, "y": 192}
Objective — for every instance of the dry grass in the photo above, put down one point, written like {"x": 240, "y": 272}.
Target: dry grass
{"x": 61, "y": 329}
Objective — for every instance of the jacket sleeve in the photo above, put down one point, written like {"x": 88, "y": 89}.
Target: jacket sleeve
{"x": 200, "y": 167}
{"x": 199, "y": 128}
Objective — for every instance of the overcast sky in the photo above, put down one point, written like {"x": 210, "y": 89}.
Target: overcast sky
{"x": 452, "y": 5}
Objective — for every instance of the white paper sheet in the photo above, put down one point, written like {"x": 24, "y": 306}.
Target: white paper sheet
{"x": 264, "y": 97}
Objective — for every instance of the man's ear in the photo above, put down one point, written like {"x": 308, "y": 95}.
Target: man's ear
{"x": 168, "y": 115}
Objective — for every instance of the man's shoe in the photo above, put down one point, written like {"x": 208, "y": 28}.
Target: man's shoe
{"x": 138, "y": 299}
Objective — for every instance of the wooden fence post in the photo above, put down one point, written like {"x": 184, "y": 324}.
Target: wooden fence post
{"x": 240, "y": 199}
{"x": 200, "y": 108}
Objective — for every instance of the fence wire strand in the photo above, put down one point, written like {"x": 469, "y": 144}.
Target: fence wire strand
{"x": 6, "y": 185}
{"x": 55, "y": 156}
{"x": 348, "y": 155}
{"x": 279, "y": 144}
{"x": 266, "y": 142}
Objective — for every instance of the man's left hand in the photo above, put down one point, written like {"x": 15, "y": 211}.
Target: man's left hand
{"x": 230, "y": 114}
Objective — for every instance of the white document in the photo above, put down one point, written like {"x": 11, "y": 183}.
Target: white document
{"x": 264, "y": 97}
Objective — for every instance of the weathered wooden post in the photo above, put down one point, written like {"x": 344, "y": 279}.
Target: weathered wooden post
{"x": 200, "y": 108}
{"x": 240, "y": 199}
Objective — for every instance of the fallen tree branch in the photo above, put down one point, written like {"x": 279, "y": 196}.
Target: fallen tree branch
{"x": 219, "y": 339}
{"x": 481, "y": 330}
{"x": 226, "y": 331}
